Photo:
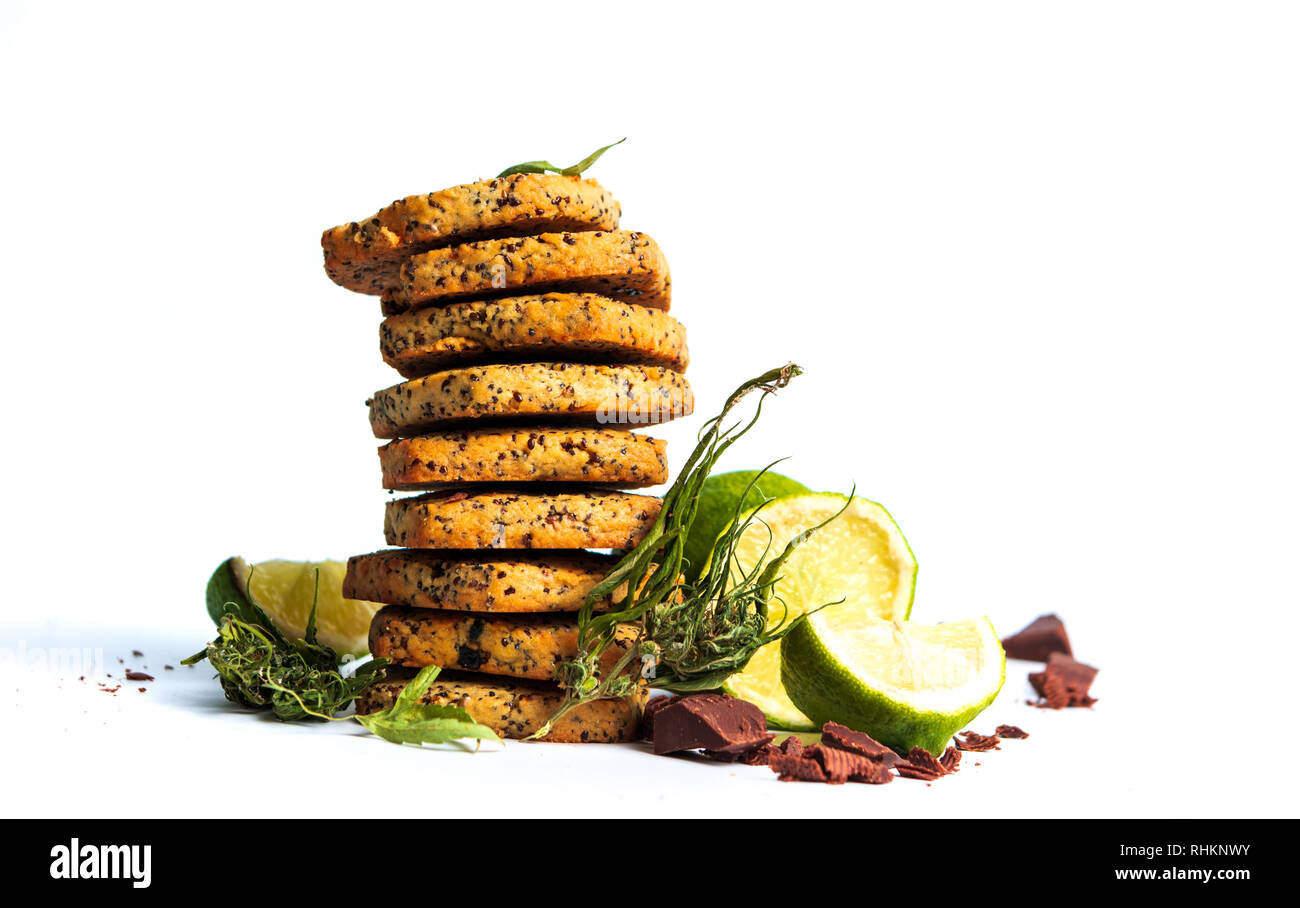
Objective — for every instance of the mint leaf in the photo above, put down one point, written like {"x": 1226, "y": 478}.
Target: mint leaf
{"x": 571, "y": 171}
{"x": 408, "y": 721}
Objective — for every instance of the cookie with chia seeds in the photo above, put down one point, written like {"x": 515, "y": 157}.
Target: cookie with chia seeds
{"x": 365, "y": 255}
{"x": 522, "y": 646}
{"x": 515, "y": 707}
{"x": 572, "y": 393}
{"x": 568, "y": 326}
{"x": 508, "y": 582}
{"x": 506, "y": 519}
{"x": 618, "y": 263}
{"x": 536, "y": 454}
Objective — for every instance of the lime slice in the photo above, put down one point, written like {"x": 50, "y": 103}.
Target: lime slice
{"x": 719, "y": 497}
{"x": 860, "y": 557}
{"x": 906, "y": 685}
{"x": 284, "y": 590}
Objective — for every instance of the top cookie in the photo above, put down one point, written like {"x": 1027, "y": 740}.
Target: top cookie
{"x": 619, "y": 263}
{"x": 364, "y": 255}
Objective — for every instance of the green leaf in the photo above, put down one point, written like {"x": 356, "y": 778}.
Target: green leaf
{"x": 571, "y": 171}
{"x": 408, "y": 721}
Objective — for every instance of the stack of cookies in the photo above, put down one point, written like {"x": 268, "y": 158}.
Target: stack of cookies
{"x": 532, "y": 333}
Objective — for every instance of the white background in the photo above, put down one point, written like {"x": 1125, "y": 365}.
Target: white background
{"x": 1038, "y": 259}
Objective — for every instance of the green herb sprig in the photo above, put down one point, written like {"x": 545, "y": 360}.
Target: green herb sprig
{"x": 300, "y": 679}
{"x": 260, "y": 667}
{"x": 693, "y": 635}
{"x": 408, "y": 721}
{"x": 570, "y": 171}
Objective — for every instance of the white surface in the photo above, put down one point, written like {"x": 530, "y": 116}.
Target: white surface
{"x": 1038, "y": 261}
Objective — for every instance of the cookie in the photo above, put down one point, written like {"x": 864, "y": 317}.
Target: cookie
{"x": 365, "y": 255}
{"x": 619, "y": 263}
{"x": 506, "y": 519}
{"x": 515, "y": 708}
{"x": 569, "y": 326}
{"x": 538, "y": 454}
{"x": 532, "y": 392}
{"x": 507, "y": 582}
{"x": 522, "y": 646}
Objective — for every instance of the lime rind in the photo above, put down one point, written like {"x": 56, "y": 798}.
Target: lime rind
{"x": 919, "y": 711}
{"x": 829, "y": 566}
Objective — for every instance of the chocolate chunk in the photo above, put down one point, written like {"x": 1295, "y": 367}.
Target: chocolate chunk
{"x": 137, "y": 676}
{"x": 1065, "y": 682}
{"x": 713, "y": 722}
{"x": 796, "y": 769}
{"x": 1011, "y": 731}
{"x": 859, "y": 742}
{"x": 969, "y": 740}
{"x": 1044, "y": 635}
{"x": 951, "y": 757}
{"x": 648, "y": 719}
{"x": 792, "y": 746}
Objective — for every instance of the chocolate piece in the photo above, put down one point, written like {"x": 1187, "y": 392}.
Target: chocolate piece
{"x": 1011, "y": 731}
{"x": 648, "y": 718}
{"x": 1065, "y": 682}
{"x": 742, "y": 751}
{"x": 842, "y": 765}
{"x": 713, "y": 722}
{"x": 951, "y": 757}
{"x": 1044, "y": 635}
{"x": 792, "y": 746}
{"x": 758, "y": 757}
{"x": 796, "y": 769}
{"x": 920, "y": 764}
{"x": 909, "y": 770}
{"x": 844, "y": 738}
{"x": 969, "y": 740}
{"x": 138, "y": 676}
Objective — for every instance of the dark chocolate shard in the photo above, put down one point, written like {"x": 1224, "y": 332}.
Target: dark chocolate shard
{"x": 1044, "y": 635}
{"x": 858, "y": 742}
{"x": 713, "y": 722}
{"x": 920, "y": 764}
{"x": 792, "y": 768}
{"x": 1011, "y": 731}
{"x": 1064, "y": 682}
{"x": 969, "y": 740}
{"x": 951, "y": 757}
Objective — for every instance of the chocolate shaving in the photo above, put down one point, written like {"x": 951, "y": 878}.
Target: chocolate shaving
{"x": 909, "y": 770}
{"x": 1036, "y": 642}
{"x": 920, "y": 764}
{"x": 1011, "y": 731}
{"x": 791, "y": 768}
{"x": 969, "y": 740}
{"x": 137, "y": 676}
{"x": 845, "y": 738}
{"x": 951, "y": 757}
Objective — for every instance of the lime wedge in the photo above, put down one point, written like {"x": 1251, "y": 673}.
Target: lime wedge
{"x": 285, "y": 589}
{"x": 860, "y": 557}
{"x": 719, "y": 497}
{"x": 906, "y": 685}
